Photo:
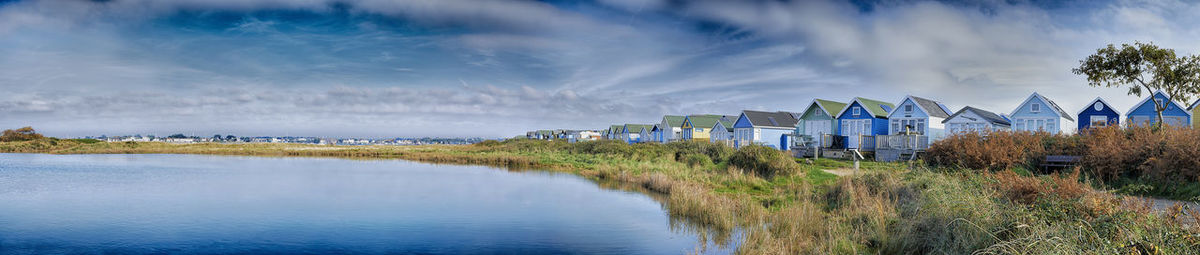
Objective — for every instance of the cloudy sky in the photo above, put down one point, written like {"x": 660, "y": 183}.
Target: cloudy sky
{"x": 384, "y": 68}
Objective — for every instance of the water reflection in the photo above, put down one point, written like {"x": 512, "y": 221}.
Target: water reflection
{"x": 223, "y": 204}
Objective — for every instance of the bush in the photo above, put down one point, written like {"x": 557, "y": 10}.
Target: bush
{"x": 694, "y": 160}
{"x": 20, "y": 134}
{"x": 996, "y": 151}
{"x": 766, "y": 162}
{"x": 714, "y": 152}
{"x": 1167, "y": 155}
{"x": 488, "y": 143}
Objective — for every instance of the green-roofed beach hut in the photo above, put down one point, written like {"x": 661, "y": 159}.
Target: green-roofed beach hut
{"x": 818, "y": 119}
{"x": 634, "y": 133}
{"x": 613, "y": 132}
{"x": 722, "y": 132}
{"x": 671, "y": 129}
{"x": 696, "y": 127}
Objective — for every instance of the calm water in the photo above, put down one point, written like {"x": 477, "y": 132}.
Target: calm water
{"x": 220, "y": 204}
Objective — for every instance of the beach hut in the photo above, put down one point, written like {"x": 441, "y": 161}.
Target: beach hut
{"x": 696, "y": 127}
{"x": 863, "y": 118}
{"x": 722, "y": 132}
{"x": 545, "y": 134}
{"x": 971, "y": 119}
{"x": 672, "y": 128}
{"x": 655, "y": 134}
{"x": 816, "y": 121}
{"x": 1040, "y": 114}
{"x": 633, "y": 133}
{"x": 614, "y": 132}
{"x": 764, "y": 128}
{"x": 1144, "y": 114}
{"x": 1097, "y": 113}
{"x": 1195, "y": 110}
{"x": 918, "y": 116}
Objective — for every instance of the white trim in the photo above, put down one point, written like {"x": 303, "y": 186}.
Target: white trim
{"x": 839, "y": 114}
{"x": 1046, "y": 103}
{"x": 914, "y": 102}
{"x": 1093, "y": 102}
{"x": 819, "y": 106}
{"x": 1193, "y": 107}
{"x": 1147, "y": 99}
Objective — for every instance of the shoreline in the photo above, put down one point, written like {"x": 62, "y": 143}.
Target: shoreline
{"x": 810, "y": 211}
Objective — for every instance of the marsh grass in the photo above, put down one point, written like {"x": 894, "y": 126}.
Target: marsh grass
{"x": 765, "y": 204}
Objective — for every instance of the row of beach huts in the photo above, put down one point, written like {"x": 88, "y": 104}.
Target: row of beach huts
{"x": 867, "y": 128}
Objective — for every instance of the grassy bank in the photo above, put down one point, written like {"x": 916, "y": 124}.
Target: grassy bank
{"x": 787, "y": 206}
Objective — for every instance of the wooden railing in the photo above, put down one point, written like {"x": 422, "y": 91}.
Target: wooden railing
{"x": 866, "y": 143}
{"x": 902, "y": 142}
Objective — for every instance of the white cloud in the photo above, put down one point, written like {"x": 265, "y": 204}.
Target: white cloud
{"x": 74, "y": 62}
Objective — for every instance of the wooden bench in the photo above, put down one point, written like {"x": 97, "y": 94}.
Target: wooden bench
{"x": 1059, "y": 161}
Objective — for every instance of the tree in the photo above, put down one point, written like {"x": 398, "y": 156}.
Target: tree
{"x": 1144, "y": 67}
{"x": 20, "y": 134}
{"x": 177, "y": 136}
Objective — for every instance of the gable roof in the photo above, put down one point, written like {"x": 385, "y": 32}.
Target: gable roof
{"x": 1093, "y": 102}
{"x": 636, "y": 128}
{"x": 1139, "y": 104}
{"x": 986, "y": 115}
{"x": 875, "y": 107}
{"x": 930, "y": 107}
{"x": 706, "y": 120}
{"x": 673, "y": 120}
{"x": 615, "y": 129}
{"x": 830, "y": 108}
{"x": 1053, "y": 105}
{"x": 725, "y": 123}
{"x": 770, "y": 119}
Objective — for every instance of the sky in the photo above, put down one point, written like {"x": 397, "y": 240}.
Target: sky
{"x": 482, "y": 68}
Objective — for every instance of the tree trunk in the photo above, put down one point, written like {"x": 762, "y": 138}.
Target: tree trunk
{"x": 1160, "y": 119}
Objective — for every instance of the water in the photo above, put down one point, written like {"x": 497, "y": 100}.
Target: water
{"x": 219, "y": 204}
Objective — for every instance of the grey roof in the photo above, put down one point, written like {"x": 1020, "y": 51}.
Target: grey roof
{"x": 771, "y": 119}
{"x": 933, "y": 108}
{"x": 986, "y": 115}
{"x": 1057, "y": 109}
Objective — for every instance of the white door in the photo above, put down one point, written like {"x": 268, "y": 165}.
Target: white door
{"x": 853, "y": 134}
{"x": 855, "y": 128}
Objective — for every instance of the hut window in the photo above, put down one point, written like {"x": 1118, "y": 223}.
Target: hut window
{"x": 857, "y": 111}
{"x": 1099, "y": 106}
{"x": 908, "y": 108}
{"x": 1099, "y": 121}
{"x": 1036, "y": 107}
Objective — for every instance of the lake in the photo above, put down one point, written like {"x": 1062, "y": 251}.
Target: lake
{"x": 193, "y": 204}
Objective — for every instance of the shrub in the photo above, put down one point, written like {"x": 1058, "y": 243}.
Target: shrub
{"x": 996, "y": 151}
{"x": 764, "y": 161}
{"x": 694, "y": 160}
{"x": 715, "y": 152}
{"x": 20, "y": 134}
{"x": 488, "y": 143}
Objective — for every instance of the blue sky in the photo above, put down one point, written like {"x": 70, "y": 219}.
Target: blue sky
{"x": 375, "y": 68}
